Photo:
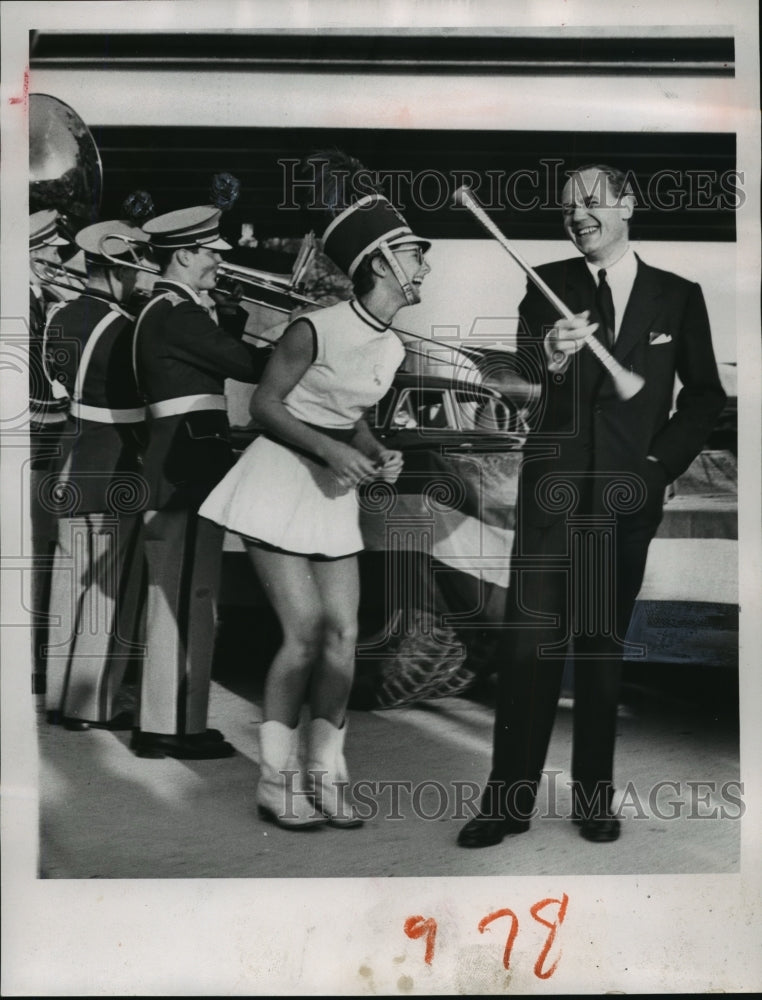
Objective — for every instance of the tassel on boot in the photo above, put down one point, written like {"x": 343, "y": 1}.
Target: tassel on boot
{"x": 281, "y": 799}
{"x": 327, "y": 774}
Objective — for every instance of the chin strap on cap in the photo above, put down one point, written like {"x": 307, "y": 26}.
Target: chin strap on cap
{"x": 405, "y": 283}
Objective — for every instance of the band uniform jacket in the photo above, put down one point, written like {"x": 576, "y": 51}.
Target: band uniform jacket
{"x": 582, "y": 426}
{"x": 91, "y": 356}
{"x": 45, "y": 408}
{"x": 180, "y": 352}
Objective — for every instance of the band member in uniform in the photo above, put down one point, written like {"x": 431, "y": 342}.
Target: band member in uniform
{"x": 44, "y": 244}
{"x": 47, "y": 417}
{"x": 292, "y": 497}
{"x": 97, "y": 586}
{"x": 182, "y": 359}
{"x": 590, "y": 500}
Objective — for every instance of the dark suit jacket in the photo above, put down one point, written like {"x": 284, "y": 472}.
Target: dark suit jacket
{"x": 181, "y": 351}
{"x": 582, "y": 426}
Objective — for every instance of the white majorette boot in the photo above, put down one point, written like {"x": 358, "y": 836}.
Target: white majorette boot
{"x": 327, "y": 775}
{"x": 281, "y": 797}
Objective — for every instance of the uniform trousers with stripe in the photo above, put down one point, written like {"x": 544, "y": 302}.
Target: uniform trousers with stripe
{"x": 183, "y": 558}
{"x": 96, "y": 605}
{"x": 45, "y": 449}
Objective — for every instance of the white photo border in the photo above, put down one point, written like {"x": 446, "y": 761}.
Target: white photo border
{"x": 651, "y": 934}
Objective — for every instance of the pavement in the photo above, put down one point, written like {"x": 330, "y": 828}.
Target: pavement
{"x": 105, "y": 813}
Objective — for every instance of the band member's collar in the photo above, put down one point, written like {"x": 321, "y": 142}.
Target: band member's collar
{"x": 92, "y": 293}
{"x": 170, "y": 284}
{"x": 367, "y": 317}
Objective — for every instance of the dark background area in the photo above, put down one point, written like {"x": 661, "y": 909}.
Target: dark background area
{"x": 411, "y": 51}
{"x": 176, "y": 166}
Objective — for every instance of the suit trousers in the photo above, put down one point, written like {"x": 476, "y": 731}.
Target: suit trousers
{"x": 183, "y": 556}
{"x": 573, "y": 589}
{"x": 96, "y": 604}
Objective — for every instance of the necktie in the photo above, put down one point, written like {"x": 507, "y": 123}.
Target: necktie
{"x": 605, "y": 304}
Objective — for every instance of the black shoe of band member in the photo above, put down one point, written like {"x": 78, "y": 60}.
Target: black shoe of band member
{"x": 75, "y": 725}
{"x": 195, "y": 747}
{"x": 120, "y": 722}
{"x": 209, "y": 736}
{"x": 486, "y": 831}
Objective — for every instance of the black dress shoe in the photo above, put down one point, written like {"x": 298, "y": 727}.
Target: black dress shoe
{"x": 208, "y": 736}
{"x": 483, "y": 831}
{"x": 74, "y": 725}
{"x": 120, "y": 722}
{"x": 599, "y": 830}
{"x": 592, "y": 812}
{"x": 154, "y": 746}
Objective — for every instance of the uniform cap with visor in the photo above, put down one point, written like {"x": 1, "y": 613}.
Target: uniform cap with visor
{"x": 43, "y": 230}
{"x": 103, "y": 238}
{"x": 187, "y": 227}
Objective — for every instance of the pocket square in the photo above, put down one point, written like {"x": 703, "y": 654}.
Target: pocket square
{"x": 654, "y": 339}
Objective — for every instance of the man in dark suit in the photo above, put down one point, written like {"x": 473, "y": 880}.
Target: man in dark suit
{"x": 591, "y": 491}
{"x": 182, "y": 359}
{"x": 96, "y": 595}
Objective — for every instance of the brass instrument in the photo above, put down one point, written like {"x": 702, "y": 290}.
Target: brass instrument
{"x": 65, "y": 174}
{"x": 283, "y": 285}
{"x": 280, "y": 284}
{"x": 65, "y": 171}
{"x": 51, "y": 273}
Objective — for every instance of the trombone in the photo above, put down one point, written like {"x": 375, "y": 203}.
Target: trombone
{"x": 60, "y": 140}
{"x": 50, "y": 272}
{"x": 285, "y": 288}
{"x": 286, "y": 285}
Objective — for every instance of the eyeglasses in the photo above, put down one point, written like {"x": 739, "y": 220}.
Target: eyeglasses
{"x": 417, "y": 249}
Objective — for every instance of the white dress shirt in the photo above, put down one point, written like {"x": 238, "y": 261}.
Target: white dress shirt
{"x": 620, "y": 277}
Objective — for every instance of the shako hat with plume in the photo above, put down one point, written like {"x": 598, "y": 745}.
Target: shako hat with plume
{"x": 357, "y": 219}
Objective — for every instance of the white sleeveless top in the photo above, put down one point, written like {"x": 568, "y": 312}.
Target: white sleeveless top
{"x": 356, "y": 357}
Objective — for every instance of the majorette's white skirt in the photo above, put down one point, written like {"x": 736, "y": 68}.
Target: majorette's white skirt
{"x": 280, "y": 498}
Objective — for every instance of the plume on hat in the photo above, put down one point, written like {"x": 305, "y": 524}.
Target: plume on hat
{"x": 339, "y": 181}
{"x": 224, "y": 191}
{"x": 138, "y": 208}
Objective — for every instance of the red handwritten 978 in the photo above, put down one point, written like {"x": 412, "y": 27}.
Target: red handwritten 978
{"x": 426, "y": 927}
